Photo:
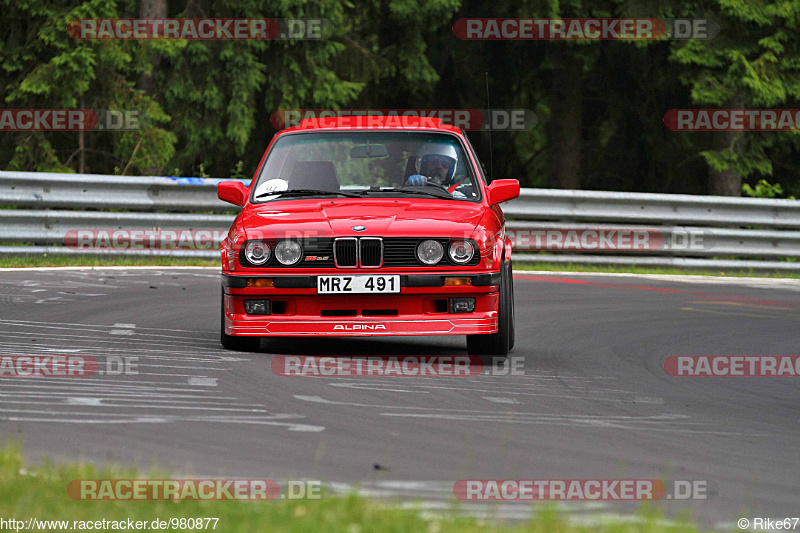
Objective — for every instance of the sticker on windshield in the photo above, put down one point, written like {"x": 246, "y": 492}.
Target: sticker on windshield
{"x": 273, "y": 185}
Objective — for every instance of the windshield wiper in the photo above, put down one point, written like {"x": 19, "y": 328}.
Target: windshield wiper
{"x": 301, "y": 192}
{"x": 412, "y": 190}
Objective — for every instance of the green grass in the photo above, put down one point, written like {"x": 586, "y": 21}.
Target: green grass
{"x": 41, "y": 493}
{"x": 621, "y": 269}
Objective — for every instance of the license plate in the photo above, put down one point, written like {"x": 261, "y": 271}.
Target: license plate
{"x": 357, "y": 284}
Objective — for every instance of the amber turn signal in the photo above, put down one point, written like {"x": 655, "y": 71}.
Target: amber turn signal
{"x": 260, "y": 282}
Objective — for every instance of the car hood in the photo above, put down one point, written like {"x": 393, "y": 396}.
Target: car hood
{"x": 384, "y": 217}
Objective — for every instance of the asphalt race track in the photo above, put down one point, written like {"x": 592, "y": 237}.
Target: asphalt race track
{"x": 594, "y": 402}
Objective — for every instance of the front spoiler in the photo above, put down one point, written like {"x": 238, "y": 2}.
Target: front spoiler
{"x": 362, "y": 327}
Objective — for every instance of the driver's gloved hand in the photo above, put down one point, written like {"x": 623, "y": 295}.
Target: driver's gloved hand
{"x": 417, "y": 180}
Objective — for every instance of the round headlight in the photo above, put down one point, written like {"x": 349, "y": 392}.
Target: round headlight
{"x": 430, "y": 252}
{"x": 288, "y": 252}
{"x": 461, "y": 251}
{"x": 257, "y": 252}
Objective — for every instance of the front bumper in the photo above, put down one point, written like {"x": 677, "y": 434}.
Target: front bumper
{"x": 419, "y": 309}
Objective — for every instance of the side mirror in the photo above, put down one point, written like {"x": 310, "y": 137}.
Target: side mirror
{"x": 500, "y": 191}
{"x": 233, "y": 192}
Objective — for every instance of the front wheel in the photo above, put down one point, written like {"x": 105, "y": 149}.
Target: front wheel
{"x": 494, "y": 347}
{"x": 511, "y": 329}
{"x": 232, "y": 342}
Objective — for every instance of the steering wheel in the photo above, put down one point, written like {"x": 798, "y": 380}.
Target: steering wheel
{"x": 438, "y": 185}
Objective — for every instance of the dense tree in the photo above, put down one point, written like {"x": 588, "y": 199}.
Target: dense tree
{"x": 753, "y": 63}
{"x": 44, "y": 68}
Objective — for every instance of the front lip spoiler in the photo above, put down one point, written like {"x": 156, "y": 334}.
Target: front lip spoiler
{"x": 406, "y": 280}
{"x": 326, "y": 327}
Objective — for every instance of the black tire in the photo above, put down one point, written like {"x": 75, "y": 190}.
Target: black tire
{"x": 493, "y": 348}
{"x": 232, "y": 342}
{"x": 512, "y": 325}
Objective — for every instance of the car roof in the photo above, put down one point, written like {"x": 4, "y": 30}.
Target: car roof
{"x": 372, "y": 122}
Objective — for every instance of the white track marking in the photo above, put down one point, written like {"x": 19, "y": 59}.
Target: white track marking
{"x": 77, "y": 400}
{"x": 132, "y": 349}
{"x": 104, "y": 403}
{"x": 364, "y": 387}
{"x": 501, "y": 400}
{"x": 319, "y": 399}
{"x": 591, "y": 395}
{"x": 163, "y": 420}
{"x": 97, "y": 402}
{"x": 485, "y": 377}
{"x": 35, "y": 323}
{"x": 204, "y": 382}
{"x": 95, "y": 339}
{"x": 100, "y": 387}
{"x": 610, "y": 422}
{"x": 487, "y": 380}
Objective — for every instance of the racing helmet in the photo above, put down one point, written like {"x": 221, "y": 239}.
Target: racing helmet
{"x": 438, "y": 161}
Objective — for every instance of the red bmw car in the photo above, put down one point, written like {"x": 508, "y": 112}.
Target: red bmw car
{"x": 360, "y": 226}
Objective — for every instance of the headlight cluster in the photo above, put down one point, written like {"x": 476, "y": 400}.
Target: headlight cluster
{"x": 461, "y": 252}
{"x": 430, "y": 252}
{"x": 286, "y": 252}
{"x": 257, "y": 252}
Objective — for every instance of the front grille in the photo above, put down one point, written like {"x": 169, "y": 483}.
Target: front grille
{"x": 402, "y": 252}
{"x": 371, "y": 252}
{"x": 345, "y": 252}
{"x": 352, "y": 252}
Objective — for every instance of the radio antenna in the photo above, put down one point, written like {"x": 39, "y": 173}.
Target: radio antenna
{"x": 489, "y": 110}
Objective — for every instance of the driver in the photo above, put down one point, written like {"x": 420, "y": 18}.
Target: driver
{"x": 437, "y": 164}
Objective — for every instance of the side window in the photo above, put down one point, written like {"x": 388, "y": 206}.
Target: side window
{"x": 475, "y": 155}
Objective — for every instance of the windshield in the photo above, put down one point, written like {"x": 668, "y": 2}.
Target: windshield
{"x": 367, "y": 164}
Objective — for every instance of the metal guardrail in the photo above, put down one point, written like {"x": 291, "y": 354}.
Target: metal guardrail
{"x": 646, "y": 208}
{"x": 134, "y": 193}
{"x": 52, "y": 227}
{"x": 677, "y": 230}
{"x": 661, "y": 240}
